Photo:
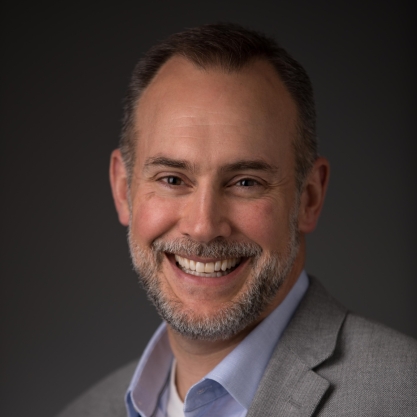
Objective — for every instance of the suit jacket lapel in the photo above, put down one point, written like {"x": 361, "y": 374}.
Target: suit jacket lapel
{"x": 290, "y": 387}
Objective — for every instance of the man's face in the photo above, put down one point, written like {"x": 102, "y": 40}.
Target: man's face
{"x": 213, "y": 201}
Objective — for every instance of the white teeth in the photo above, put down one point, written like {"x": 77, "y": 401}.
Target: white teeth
{"x": 224, "y": 265}
{"x": 209, "y": 267}
{"x": 212, "y": 269}
{"x": 199, "y": 267}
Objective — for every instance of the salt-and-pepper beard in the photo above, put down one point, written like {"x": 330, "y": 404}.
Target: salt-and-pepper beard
{"x": 269, "y": 271}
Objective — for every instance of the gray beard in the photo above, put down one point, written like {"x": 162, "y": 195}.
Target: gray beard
{"x": 269, "y": 271}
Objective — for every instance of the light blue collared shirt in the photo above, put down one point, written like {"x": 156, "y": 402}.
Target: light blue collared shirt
{"x": 230, "y": 387}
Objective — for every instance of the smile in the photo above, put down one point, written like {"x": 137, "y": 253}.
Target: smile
{"x": 209, "y": 269}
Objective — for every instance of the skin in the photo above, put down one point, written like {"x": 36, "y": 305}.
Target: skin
{"x": 214, "y": 160}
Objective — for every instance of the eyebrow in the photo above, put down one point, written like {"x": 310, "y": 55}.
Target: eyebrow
{"x": 169, "y": 163}
{"x": 252, "y": 165}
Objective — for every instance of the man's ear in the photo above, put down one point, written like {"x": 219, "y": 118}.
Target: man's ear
{"x": 312, "y": 197}
{"x": 119, "y": 186}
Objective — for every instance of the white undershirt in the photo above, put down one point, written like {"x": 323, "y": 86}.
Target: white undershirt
{"x": 175, "y": 407}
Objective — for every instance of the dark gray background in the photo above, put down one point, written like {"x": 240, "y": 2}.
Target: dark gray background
{"x": 71, "y": 308}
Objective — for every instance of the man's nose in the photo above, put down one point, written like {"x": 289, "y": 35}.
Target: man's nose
{"x": 204, "y": 216}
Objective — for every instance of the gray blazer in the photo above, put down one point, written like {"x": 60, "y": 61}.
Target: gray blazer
{"x": 329, "y": 362}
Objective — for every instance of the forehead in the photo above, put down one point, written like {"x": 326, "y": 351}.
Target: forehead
{"x": 249, "y": 110}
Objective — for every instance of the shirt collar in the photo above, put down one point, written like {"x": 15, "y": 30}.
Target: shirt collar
{"x": 246, "y": 362}
{"x": 151, "y": 373}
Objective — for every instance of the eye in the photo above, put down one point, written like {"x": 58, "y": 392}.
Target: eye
{"x": 173, "y": 180}
{"x": 247, "y": 182}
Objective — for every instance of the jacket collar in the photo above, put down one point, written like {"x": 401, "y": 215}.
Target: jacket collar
{"x": 290, "y": 386}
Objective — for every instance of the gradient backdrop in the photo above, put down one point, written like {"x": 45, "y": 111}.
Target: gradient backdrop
{"x": 71, "y": 308}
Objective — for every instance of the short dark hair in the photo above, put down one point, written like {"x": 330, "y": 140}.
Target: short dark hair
{"x": 229, "y": 47}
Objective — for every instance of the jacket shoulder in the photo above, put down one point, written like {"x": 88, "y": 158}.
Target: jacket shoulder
{"x": 373, "y": 346}
{"x": 104, "y": 399}
{"x": 365, "y": 335}
{"x": 372, "y": 370}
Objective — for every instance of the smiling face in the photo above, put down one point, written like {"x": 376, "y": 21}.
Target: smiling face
{"x": 214, "y": 209}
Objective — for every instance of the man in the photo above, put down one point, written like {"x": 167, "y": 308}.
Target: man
{"x": 219, "y": 180}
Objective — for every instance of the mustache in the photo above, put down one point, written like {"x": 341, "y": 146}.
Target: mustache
{"x": 217, "y": 248}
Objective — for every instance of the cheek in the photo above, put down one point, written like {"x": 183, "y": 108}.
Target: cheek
{"x": 152, "y": 217}
{"x": 264, "y": 222}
